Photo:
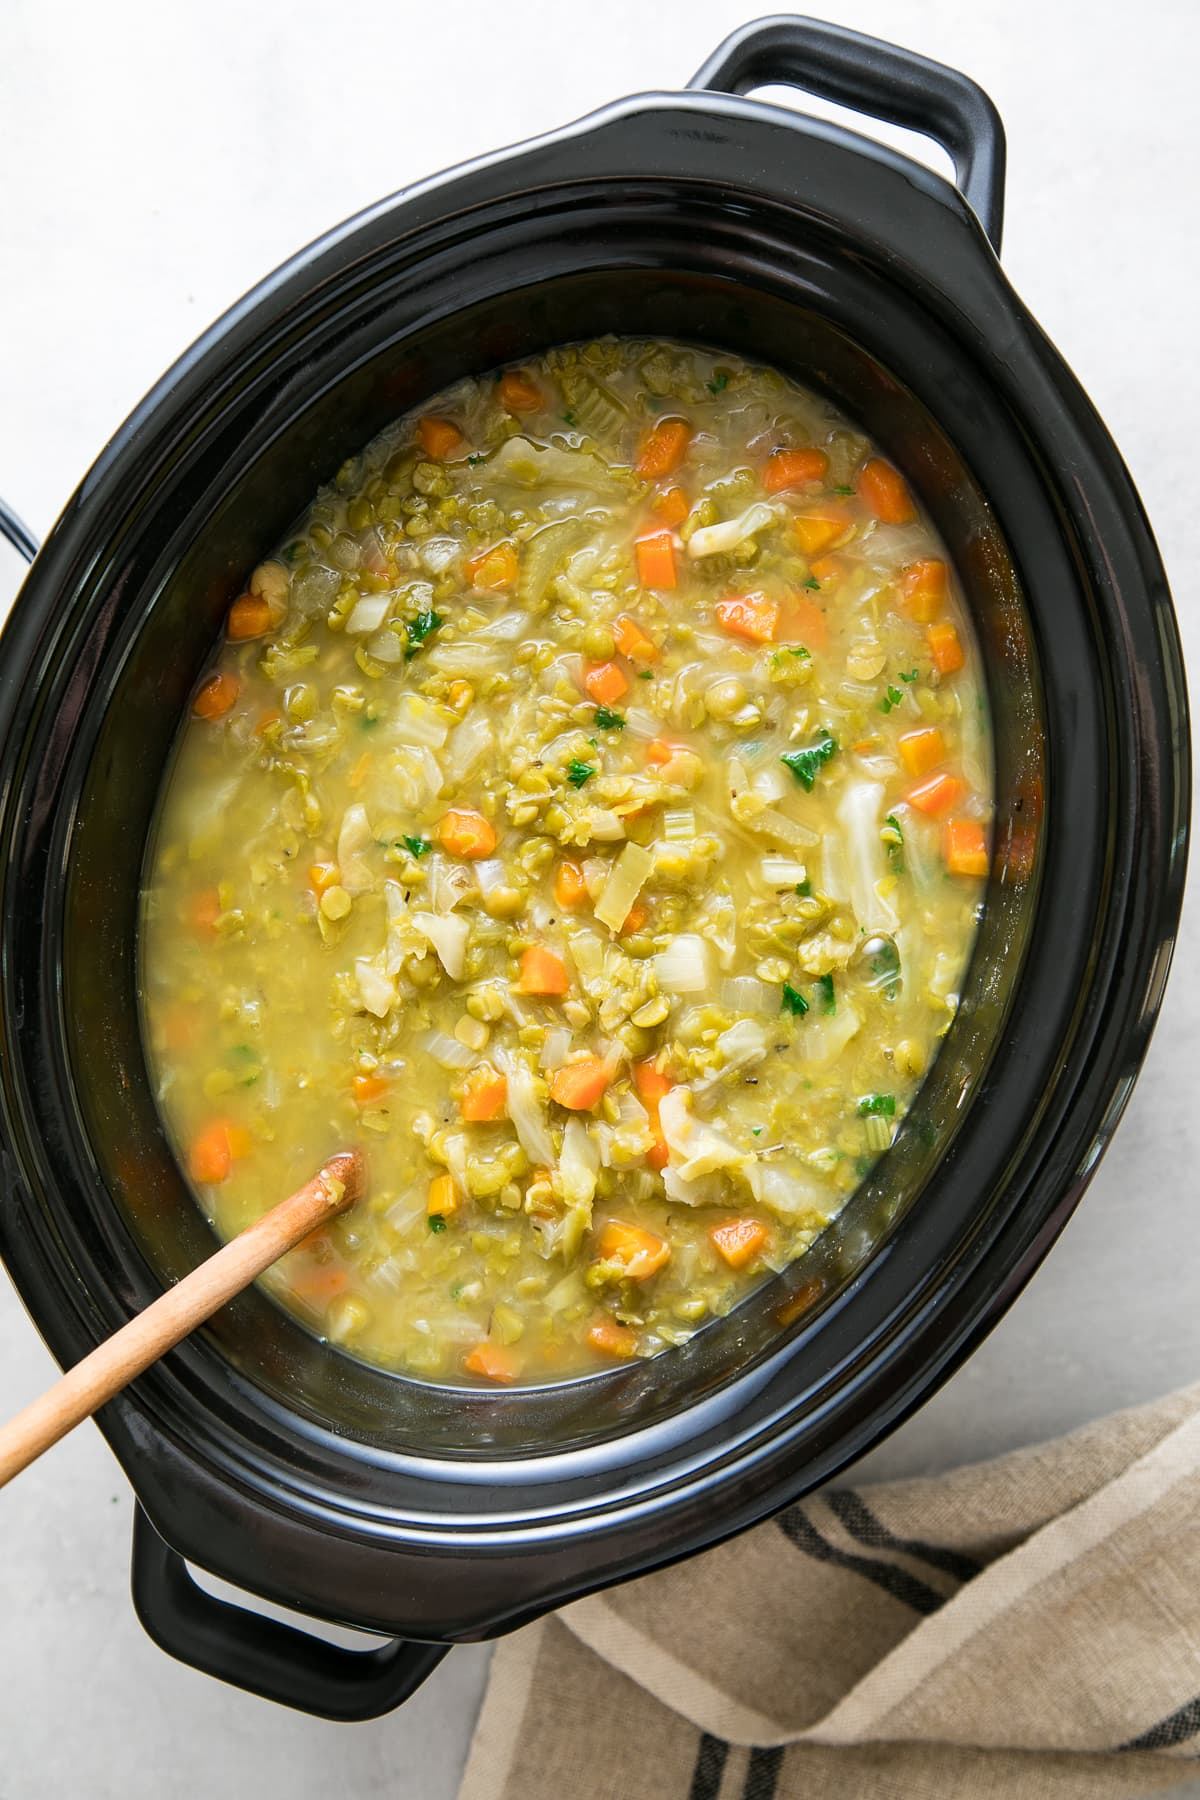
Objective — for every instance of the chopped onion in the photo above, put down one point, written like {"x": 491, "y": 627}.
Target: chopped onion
{"x": 641, "y": 723}
{"x": 415, "y": 721}
{"x": 605, "y": 826}
{"x": 447, "y": 1052}
{"x": 770, "y": 783}
{"x": 694, "y": 1148}
{"x": 827, "y": 1035}
{"x": 354, "y": 872}
{"x": 386, "y": 647}
{"x": 747, "y": 994}
{"x": 629, "y": 875}
{"x": 448, "y": 934}
{"x": 788, "y": 1191}
{"x": 490, "y": 873}
{"x": 782, "y": 872}
{"x": 504, "y": 630}
{"x": 557, "y": 1047}
{"x": 469, "y": 744}
{"x": 715, "y": 540}
{"x": 436, "y": 554}
{"x": 377, "y": 991}
{"x": 682, "y": 968}
{"x": 528, "y": 1117}
{"x": 449, "y": 883}
{"x": 369, "y": 613}
{"x": 465, "y": 656}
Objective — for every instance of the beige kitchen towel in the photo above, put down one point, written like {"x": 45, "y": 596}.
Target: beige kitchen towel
{"x": 1024, "y": 1629}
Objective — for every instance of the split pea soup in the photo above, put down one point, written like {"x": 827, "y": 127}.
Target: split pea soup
{"x": 588, "y": 812}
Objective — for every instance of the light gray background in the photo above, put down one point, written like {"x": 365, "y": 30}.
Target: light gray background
{"x": 155, "y": 160}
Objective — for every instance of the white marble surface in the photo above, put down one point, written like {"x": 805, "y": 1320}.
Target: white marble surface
{"x": 154, "y": 161}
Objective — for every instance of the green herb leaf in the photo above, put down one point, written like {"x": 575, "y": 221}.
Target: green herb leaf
{"x": 893, "y": 837}
{"x": 579, "y": 772}
{"x": 812, "y": 583}
{"x": 880, "y": 1106}
{"x": 911, "y": 675}
{"x": 842, "y": 489}
{"x": 608, "y": 720}
{"x": 719, "y": 382}
{"x": 893, "y": 697}
{"x": 436, "y": 1222}
{"x": 799, "y": 651}
{"x": 568, "y": 418}
{"x": 474, "y": 460}
{"x": 806, "y": 765}
{"x": 418, "y": 630}
{"x": 756, "y": 1130}
{"x": 645, "y": 674}
{"x": 828, "y": 999}
{"x": 804, "y": 888}
{"x": 793, "y": 1001}
{"x": 417, "y": 846}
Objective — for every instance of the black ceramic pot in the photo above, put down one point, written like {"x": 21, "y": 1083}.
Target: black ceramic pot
{"x": 444, "y": 1515}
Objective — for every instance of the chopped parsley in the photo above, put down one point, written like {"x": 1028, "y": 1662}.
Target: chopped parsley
{"x": 474, "y": 460}
{"x": 893, "y": 697}
{"x": 879, "y": 1106}
{"x": 568, "y": 418}
{"x": 369, "y": 721}
{"x": 793, "y": 1001}
{"x": 893, "y": 838}
{"x": 756, "y": 1130}
{"x": 436, "y": 1222}
{"x": 804, "y": 888}
{"x": 418, "y": 630}
{"x": 806, "y": 765}
{"x": 813, "y": 583}
{"x": 417, "y": 846}
{"x": 909, "y": 675}
{"x": 828, "y": 1000}
{"x": 608, "y": 720}
{"x": 796, "y": 650}
{"x": 719, "y": 382}
{"x": 579, "y": 772}
{"x": 843, "y": 489}
{"x": 645, "y": 674}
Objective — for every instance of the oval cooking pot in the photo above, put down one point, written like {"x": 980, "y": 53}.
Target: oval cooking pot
{"x": 361, "y": 1497}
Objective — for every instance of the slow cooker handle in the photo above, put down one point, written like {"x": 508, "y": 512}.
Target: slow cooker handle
{"x": 877, "y": 78}
{"x": 274, "y": 1661}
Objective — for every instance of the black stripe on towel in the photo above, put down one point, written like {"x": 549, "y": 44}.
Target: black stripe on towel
{"x": 889, "y": 1576}
{"x": 1176, "y": 1728}
{"x": 762, "y": 1777}
{"x": 710, "y": 1766}
{"x": 853, "y": 1512}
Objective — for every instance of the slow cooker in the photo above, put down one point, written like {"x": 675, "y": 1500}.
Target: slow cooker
{"x": 434, "y": 1515}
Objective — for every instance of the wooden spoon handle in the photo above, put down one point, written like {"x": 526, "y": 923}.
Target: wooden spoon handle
{"x": 116, "y": 1362}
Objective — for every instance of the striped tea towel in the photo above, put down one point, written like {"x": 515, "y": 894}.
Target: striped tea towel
{"x": 1028, "y": 1627}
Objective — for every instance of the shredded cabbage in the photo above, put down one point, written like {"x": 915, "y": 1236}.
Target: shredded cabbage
{"x": 694, "y": 1148}
{"x": 578, "y": 1165}
{"x": 527, "y": 1115}
{"x": 716, "y": 540}
{"x": 415, "y": 721}
{"x": 448, "y": 934}
{"x": 376, "y": 989}
{"x": 625, "y": 882}
{"x": 860, "y": 815}
{"x": 354, "y": 871}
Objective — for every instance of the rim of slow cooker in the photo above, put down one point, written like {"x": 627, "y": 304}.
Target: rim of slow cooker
{"x": 219, "y": 341}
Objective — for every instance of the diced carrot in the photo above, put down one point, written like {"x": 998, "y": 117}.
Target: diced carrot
{"x": 216, "y": 696}
{"x": 659, "y": 751}
{"x": 570, "y": 889}
{"x": 368, "y": 1088}
{"x": 520, "y": 393}
{"x": 632, "y": 641}
{"x": 966, "y": 847}
{"x": 205, "y": 910}
{"x": 358, "y": 773}
{"x": 635, "y": 918}
{"x": 485, "y": 1095}
{"x": 672, "y": 506}
{"x": 248, "y": 617}
{"x": 606, "y": 682}
{"x": 322, "y": 1281}
{"x": 819, "y": 527}
{"x": 580, "y": 1085}
{"x": 322, "y": 875}
{"x": 464, "y": 832}
{"x": 750, "y": 616}
{"x": 936, "y": 794}
{"x": 651, "y": 1083}
{"x": 442, "y": 1202}
{"x": 639, "y": 1252}
{"x": 923, "y": 587}
{"x": 664, "y": 449}
{"x": 611, "y": 1339}
{"x": 884, "y": 491}
{"x": 213, "y": 1153}
{"x": 944, "y": 647}
{"x": 827, "y": 570}
{"x": 493, "y": 569}
{"x": 922, "y": 749}
{"x": 794, "y": 468}
{"x": 542, "y": 972}
{"x": 656, "y": 560}
{"x": 739, "y": 1241}
{"x": 439, "y": 438}
{"x": 659, "y": 1154}
{"x": 805, "y": 623}
{"x": 495, "y": 1362}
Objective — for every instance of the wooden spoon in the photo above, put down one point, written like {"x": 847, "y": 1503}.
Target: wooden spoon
{"x": 129, "y": 1351}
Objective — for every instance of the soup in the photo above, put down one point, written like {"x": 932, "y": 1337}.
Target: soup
{"x": 588, "y": 813}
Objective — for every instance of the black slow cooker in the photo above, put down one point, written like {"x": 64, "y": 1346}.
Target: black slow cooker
{"x": 357, "y": 1496}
